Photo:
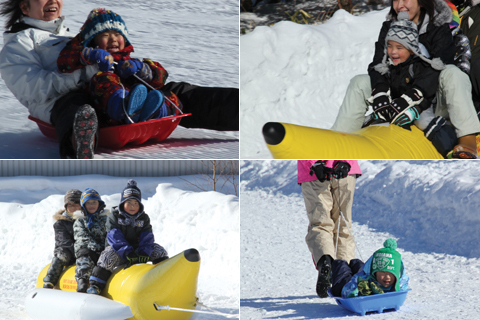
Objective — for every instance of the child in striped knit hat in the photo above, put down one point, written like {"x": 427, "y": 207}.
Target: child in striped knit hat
{"x": 118, "y": 90}
{"x": 406, "y": 65}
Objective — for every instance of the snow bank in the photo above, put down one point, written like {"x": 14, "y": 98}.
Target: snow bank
{"x": 299, "y": 73}
{"x": 429, "y": 206}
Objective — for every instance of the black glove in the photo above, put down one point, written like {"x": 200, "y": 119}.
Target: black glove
{"x": 143, "y": 258}
{"x": 321, "y": 171}
{"x": 407, "y": 118}
{"x": 132, "y": 258}
{"x": 341, "y": 169}
{"x": 380, "y": 101}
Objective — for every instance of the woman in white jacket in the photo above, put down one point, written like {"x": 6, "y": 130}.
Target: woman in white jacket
{"x": 28, "y": 65}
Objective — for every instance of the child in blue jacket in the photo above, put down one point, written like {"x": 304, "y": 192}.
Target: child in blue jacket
{"x": 129, "y": 240}
{"x": 383, "y": 272}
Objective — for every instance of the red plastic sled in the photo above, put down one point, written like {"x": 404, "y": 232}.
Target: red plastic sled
{"x": 116, "y": 137}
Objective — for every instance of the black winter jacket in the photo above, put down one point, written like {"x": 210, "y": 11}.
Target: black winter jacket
{"x": 63, "y": 228}
{"x": 125, "y": 238}
{"x": 405, "y": 75}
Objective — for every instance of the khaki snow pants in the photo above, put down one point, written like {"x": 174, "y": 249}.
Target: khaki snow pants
{"x": 454, "y": 102}
{"x": 322, "y": 200}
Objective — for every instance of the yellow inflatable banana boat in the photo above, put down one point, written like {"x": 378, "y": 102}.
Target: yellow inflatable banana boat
{"x": 144, "y": 287}
{"x": 289, "y": 141}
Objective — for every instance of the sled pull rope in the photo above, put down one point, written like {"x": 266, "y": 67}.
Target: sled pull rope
{"x": 342, "y": 216}
{"x": 168, "y": 308}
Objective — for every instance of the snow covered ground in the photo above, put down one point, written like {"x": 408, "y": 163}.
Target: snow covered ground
{"x": 181, "y": 218}
{"x": 299, "y": 73}
{"x": 429, "y": 207}
{"x": 196, "y": 42}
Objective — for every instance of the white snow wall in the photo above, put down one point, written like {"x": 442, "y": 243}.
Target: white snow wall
{"x": 429, "y": 206}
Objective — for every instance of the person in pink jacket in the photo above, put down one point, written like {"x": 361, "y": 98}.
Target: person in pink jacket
{"x": 328, "y": 187}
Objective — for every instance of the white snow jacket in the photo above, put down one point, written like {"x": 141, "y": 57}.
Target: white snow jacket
{"x": 28, "y": 65}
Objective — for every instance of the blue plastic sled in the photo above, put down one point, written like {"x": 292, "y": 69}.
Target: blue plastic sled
{"x": 390, "y": 301}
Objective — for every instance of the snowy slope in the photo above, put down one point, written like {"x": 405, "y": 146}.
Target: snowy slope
{"x": 429, "y": 207}
{"x": 181, "y": 219}
{"x": 196, "y": 42}
{"x": 299, "y": 73}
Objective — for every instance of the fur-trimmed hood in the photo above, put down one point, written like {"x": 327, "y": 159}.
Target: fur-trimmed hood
{"x": 443, "y": 14}
{"x": 61, "y": 215}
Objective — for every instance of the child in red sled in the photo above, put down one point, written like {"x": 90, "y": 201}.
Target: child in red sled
{"x": 383, "y": 272}
{"x": 119, "y": 96}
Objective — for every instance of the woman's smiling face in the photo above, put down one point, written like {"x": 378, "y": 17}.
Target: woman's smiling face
{"x": 46, "y": 10}
{"x": 410, "y": 6}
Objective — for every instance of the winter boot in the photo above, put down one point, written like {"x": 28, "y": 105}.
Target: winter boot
{"x": 85, "y": 128}
{"x": 93, "y": 289}
{"x": 323, "y": 281}
{"x": 53, "y": 273}
{"x": 98, "y": 279}
{"x": 125, "y": 106}
{"x": 82, "y": 285}
{"x": 154, "y": 101}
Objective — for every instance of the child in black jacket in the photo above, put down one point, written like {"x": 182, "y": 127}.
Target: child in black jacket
{"x": 64, "y": 253}
{"x": 130, "y": 239}
{"x": 404, "y": 65}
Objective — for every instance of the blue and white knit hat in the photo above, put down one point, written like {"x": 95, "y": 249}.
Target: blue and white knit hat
{"x": 100, "y": 20}
{"x": 91, "y": 194}
{"x": 405, "y": 32}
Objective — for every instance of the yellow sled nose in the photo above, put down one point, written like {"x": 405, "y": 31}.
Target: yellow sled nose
{"x": 289, "y": 141}
{"x": 172, "y": 282}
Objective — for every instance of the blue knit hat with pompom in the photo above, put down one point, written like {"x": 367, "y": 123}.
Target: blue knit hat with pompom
{"x": 388, "y": 259}
{"x": 100, "y": 20}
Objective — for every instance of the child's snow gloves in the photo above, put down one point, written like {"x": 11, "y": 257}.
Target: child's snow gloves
{"x": 98, "y": 56}
{"x": 133, "y": 258}
{"x": 322, "y": 172}
{"x": 400, "y": 111}
{"x": 368, "y": 287}
{"x": 127, "y": 68}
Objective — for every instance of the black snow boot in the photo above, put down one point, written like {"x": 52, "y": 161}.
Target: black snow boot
{"x": 85, "y": 128}
{"x": 82, "y": 285}
{"x": 323, "y": 281}
{"x": 53, "y": 273}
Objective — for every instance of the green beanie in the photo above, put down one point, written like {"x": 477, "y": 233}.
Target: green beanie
{"x": 388, "y": 259}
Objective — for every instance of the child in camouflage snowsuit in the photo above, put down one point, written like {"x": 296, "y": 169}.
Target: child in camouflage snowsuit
{"x": 118, "y": 96}
{"x": 129, "y": 240}
{"x": 89, "y": 231}
{"x": 63, "y": 254}
{"x": 383, "y": 272}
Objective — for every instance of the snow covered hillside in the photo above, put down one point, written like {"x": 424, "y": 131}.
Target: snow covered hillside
{"x": 299, "y": 73}
{"x": 196, "y": 42}
{"x": 429, "y": 207}
{"x": 181, "y": 219}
